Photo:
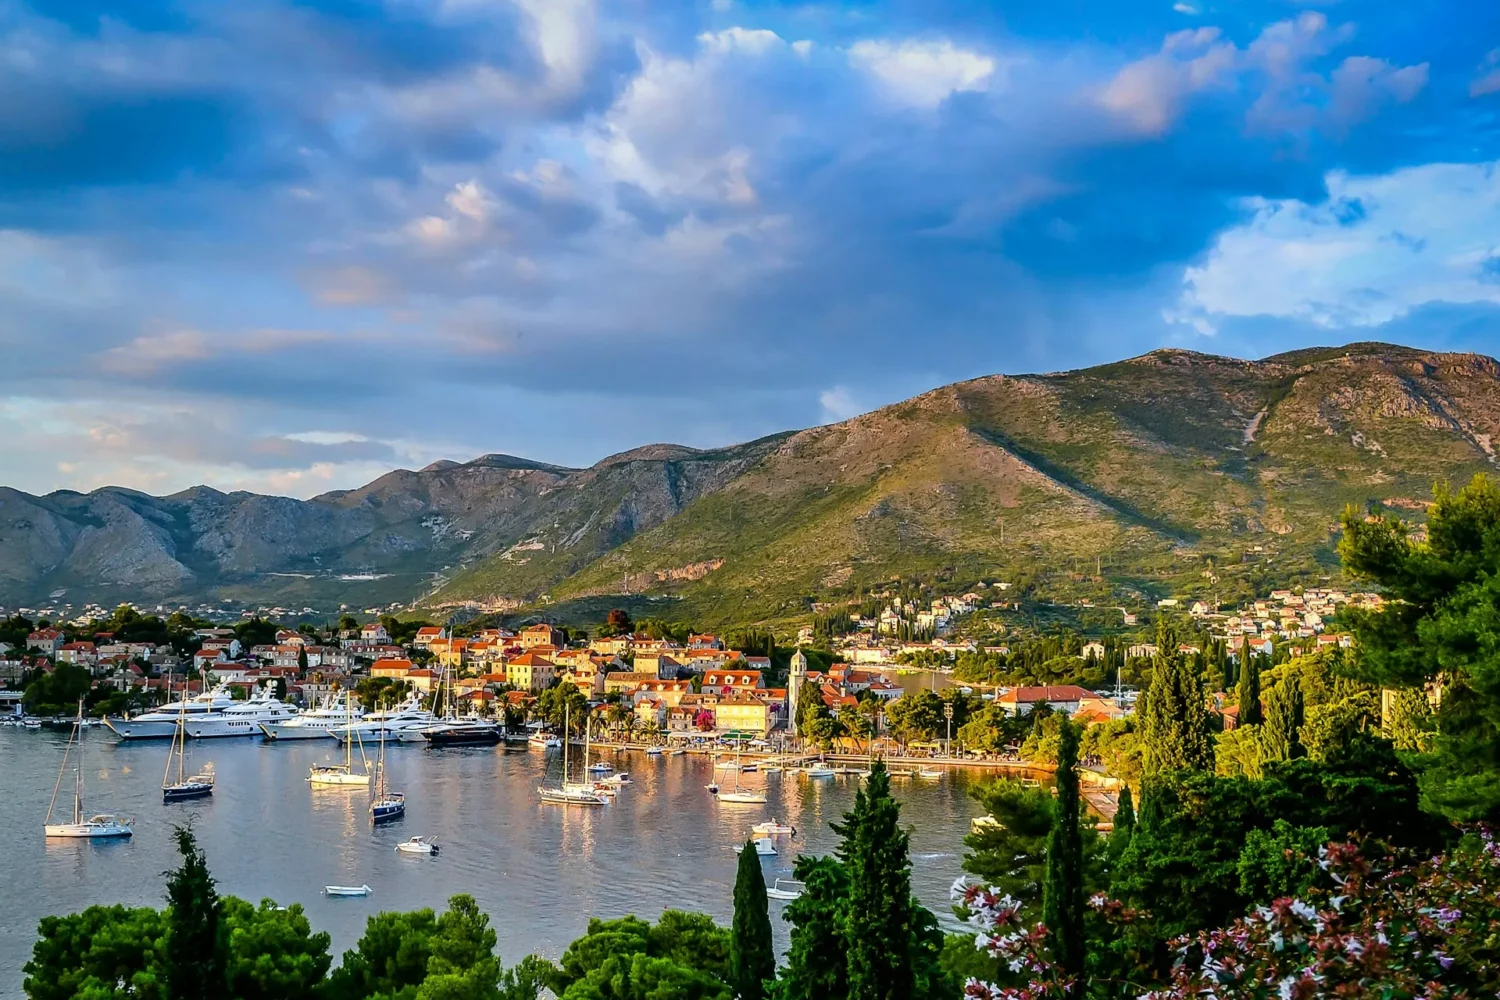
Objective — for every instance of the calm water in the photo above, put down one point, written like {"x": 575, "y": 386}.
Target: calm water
{"x": 540, "y": 871}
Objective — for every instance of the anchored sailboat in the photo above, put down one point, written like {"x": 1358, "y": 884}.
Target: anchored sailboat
{"x": 200, "y": 785}
{"x": 386, "y": 805}
{"x": 570, "y": 793}
{"x": 738, "y": 797}
{"x": 100, "y": 826}
{"x": 343, "y": 774}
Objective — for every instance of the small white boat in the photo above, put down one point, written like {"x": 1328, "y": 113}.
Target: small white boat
{"x": 726, "y": 765}
{"x": 772, "y": 769}
{"x": 347, "y": 890}
{"x": 618, "y": 778}
{"x": 771, "y": 828}
{"x": 418, "y": 845}
{"x": 678, "y": 752}
{"x": 744, "y": 798}
{"x": 820, "y": 771}
{"x": 929, "y": 773}
{"x": 764, "y": 847}
{"x": 543, "y": 741}
{"x": 786, "y": 888}
{"x": 31, "y": 724}
{"x": 653, "y": 751}
{"x": 599, "y": 767}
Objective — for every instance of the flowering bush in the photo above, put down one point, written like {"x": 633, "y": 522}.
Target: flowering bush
{"x": 1384, "y": 927}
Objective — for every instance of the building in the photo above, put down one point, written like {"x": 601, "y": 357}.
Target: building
{"x": 795, "y": 679}
{"x": 1068, "y": 698}
{"x": 743, "y": 713}
{"x": 530, "y": 672}
{"x": 46, "y": 641}
{"x": 374, "y": 634}
{"x": 659, "y": 665}
{"x": 626, "y": 681}
{"x": 541, "y": 635}
{"x": 394, "y": 669}
{"x": 728, "y": 681}
{"x": 426, "y": 634}
{"x": 80, "y": 654}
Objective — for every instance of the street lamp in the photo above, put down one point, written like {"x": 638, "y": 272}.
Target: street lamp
{"x": 948, "y": 714}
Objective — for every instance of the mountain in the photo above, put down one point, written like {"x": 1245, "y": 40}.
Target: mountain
{"x": 1170, "y": 473}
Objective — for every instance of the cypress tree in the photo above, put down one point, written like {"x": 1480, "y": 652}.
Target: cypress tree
{"x": 816, "y": 968}
{"x": 1124, "y": 821}
{"x": 1248, "y": 693}
{"x": 878, "y": 931}
{"x": 194, "y": 966}
{"x": 1174, "y": 719}
{"x": 1062, "y": 892}
{"x": 1280, "y": 734}
{"x": 752, "y": 957}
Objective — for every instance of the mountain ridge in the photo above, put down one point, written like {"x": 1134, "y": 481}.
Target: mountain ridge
{"x": 1163, "y": 472}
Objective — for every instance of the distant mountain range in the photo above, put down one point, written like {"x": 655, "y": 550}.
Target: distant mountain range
{"x": 1174, "y": 472}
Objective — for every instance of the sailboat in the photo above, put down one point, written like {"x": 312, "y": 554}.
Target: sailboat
{"x": 570, "y": 793}
{"x": 598, "y": 767}
{"x": 100, "y": 826}
{"x": 738, "y": 797}
{"x": 386, "y": 805}
{"x": 200, "y": 785}
{"x": 343, "y": 774}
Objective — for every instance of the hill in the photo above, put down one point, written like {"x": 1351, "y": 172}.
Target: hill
{"x": 1174, "y": 472}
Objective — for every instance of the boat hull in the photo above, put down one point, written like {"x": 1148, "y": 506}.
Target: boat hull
{"x": 383, "y": 812}
{"x": 338, "y": 779}
{"x": 88, "y": 831}
{"x": 185, "y": 792}
{"x": 216, "y": 729}
{"x": 129, "y": 729}
{"x": 463, "y": 738}
{"x": 287, "y": 731}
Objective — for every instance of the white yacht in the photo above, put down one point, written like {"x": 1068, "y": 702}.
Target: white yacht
{"x": 241, "y": 718}
{"x": 100, "y": 827}
{"x": 321, "y": 723}
{"x": 402, "y": 724}
{"x": 161, "y": 723}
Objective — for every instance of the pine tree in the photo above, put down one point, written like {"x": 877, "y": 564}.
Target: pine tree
{"x": 1280, "y": 734}
{"x": 1174, "y": 719}
{"x": 194, "y": 966}
{"x": 1124, "y": 823}
{"x": 1409, "y": 722}
{"x": 816, "y": 968}
{"x": 1062, "y": 891}
{"x": 1248, "y": 693}
{"x": 752, "y": 956}
{"x": 879, "y": 927}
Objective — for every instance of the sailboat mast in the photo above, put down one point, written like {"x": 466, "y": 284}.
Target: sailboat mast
{"x": 78, "y": 785}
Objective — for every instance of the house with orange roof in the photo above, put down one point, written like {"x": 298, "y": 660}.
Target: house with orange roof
{"x": 541, "y": 635}
{"x": 425, "y": 635}
{"x": 530, "y": 672}
{"x": 729, "y": 681}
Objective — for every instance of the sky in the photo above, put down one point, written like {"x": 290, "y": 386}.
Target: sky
{"x": 286, "y": 247}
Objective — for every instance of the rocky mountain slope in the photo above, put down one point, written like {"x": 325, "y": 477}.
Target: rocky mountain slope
{"x": 1173, "y": 472}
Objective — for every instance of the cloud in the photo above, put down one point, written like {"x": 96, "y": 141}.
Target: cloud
{"x": 1488, "y": 80}
{"x": 1374, "y": 250}
{"x": 838, "y": 404}
{"x": 922, "y": 73}
{"x": 1150, "y": 92}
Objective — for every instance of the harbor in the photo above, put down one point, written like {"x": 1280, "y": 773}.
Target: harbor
{"x": 661, "y": 841}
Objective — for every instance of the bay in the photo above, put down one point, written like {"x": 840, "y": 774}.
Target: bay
{"x": 540, "y": 871}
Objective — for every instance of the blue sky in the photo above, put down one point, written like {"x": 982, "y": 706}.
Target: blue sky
{"x": 287, "y": 246}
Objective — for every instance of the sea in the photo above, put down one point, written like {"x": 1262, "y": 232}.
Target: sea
{"x": 540, "y": 871}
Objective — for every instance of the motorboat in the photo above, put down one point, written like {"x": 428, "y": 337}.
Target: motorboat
{"x": 314, "y": 724}
{"x": 418, "y": 845}
{"x": 161, "y": 723}
{"x": 786, "y": 888}
{"x": 543, "y": 741}
{"x": 32, "y": 723}
{"x": 678, "y": 752}
{"x": 764, "y": 847}
{"x": 726, "y": 765}
{"x": 599, "y": 767}
{"x": 771, "y": 828}
{"x": 101, "y": 826}
{"x": 347, "y": 890}
{"x": 618, "y": 778}
{"x": 819, "y": 770}
{"x": 653, "y": 751}
{"x": 929, "y": 773}
{"x": 463, "y": 733}
{"x": 242, "y": 718}
{"x": 402, "y": 724}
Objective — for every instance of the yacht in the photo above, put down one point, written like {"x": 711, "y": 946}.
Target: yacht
{"x": 571, "y": 793}
{"x": 161, "y": 723}
{"x": 314, "y": 724}
{"x": 463, "y": 733}
{"x": 402, "y": 724}
{"x": 242, "y": 718}
{"x": 543, "y": 741}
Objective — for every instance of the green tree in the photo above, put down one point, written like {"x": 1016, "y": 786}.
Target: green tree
{"x": 1280, "y": 737}
{"x": 272, "y": 952}
{"x": 1062, "y": 892}
{"x": 810, "y": 710}
{"x": 684, "y": 957}
{"x": 1409, "y": 722}
{"x": 462, "y": 964}
{"x": 1174, "y": 717}
{"x": 1124, "y": 823}
{"x": 526, "y": 979}
{"x": 1010, "y": 853}
{"x": 1439, "y": 624}
{"x": 1248, "y": 691}
{"x": 878, "y": 942}
{"x": 752, "y": 957}
{"x": 1281, "y": 861}
{"x": 389, "y": 961}
{"x": 816, "y": 968}
{"x": 916, "y": 716}
{"x": 103, "y": 953}
{"x": 194, "y": 966}
{"x": 302, "y": 658}
{"x": 1238, "y": 753}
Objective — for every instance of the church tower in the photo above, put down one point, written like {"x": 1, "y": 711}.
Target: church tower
{"x": 794, "y": 684}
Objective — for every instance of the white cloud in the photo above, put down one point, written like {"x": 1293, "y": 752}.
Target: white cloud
{"x": 922, "y": 74}
{"x": 1150, "y": 92}
{"x": 1488, "y": 80}
{"x": 1375, "y": 249}
{"x": 838, "y": 404}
